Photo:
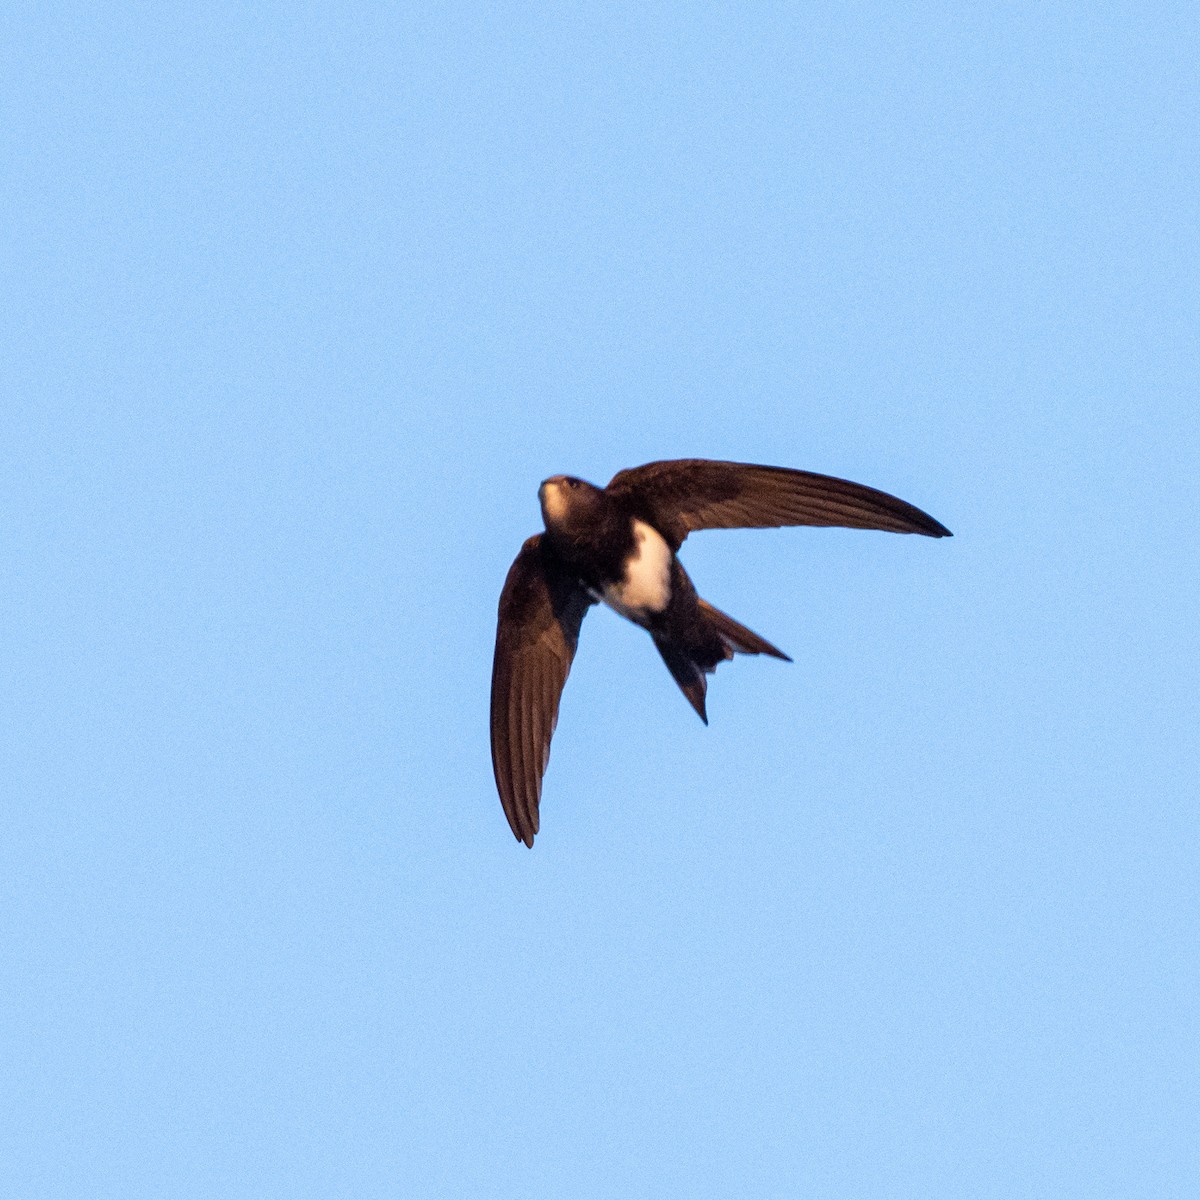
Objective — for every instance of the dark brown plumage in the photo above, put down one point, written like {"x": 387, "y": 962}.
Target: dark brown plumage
{"x": 618, "y": 544}
{"x": 541, "y": 609}
{"x": 682, "y": 495}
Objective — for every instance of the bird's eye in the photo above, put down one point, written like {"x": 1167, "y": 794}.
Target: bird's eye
{"x": 572, "y": 483}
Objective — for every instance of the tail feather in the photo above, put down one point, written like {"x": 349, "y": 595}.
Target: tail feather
{"x": 715, "y": 639}
{"x": 737, "y": 637}
{"x": 686, "y": 672}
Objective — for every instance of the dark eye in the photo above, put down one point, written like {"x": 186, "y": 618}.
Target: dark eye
{"x": 572, "y": 483}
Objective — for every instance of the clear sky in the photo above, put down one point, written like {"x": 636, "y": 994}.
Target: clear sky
{"x": 301, "y": 303}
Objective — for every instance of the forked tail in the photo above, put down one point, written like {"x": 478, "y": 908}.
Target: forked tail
{"x": 715, "y": 638}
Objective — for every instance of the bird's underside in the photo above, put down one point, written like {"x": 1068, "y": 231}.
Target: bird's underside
{"x": 618, "y": 545}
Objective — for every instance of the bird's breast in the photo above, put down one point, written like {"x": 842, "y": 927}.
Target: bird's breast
{"x": 644, "y": 588}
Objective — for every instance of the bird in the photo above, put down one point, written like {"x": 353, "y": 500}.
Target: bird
{"x": 618, "y": 545}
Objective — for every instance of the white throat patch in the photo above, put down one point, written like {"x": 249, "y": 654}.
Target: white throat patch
{"x": 646, "y": 588}
{"x": 554, "y": 502}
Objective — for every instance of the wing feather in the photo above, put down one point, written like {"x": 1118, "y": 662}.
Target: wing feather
{"x": 537, "y": 630}
{"x": 682, "y": 495}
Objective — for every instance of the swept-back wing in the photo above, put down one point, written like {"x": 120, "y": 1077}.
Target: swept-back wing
{"x": 537, "y": 630}
{"x": 682, "y": 495}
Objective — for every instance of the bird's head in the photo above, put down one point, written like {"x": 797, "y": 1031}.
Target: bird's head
{"x": 569, "y": 504}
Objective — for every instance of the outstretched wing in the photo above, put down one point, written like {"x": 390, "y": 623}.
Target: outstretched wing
{"x": 537, "y": 630}
{"x": 684, "y": 494}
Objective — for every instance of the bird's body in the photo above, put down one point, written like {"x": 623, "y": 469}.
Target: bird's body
{"x": 623, "y": 561}
{"x": 643, "y": 590}
{"x": 617, "y": 545}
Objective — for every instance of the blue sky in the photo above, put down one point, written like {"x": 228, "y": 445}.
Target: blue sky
{"x": 302, "y": 303}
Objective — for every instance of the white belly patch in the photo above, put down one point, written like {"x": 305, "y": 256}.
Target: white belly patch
{"x": 646, "y": 587}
